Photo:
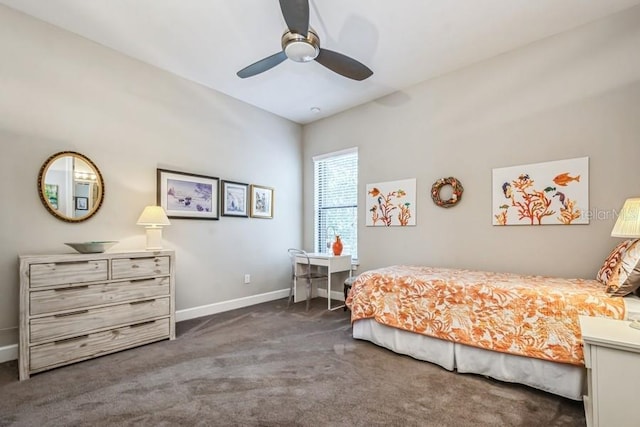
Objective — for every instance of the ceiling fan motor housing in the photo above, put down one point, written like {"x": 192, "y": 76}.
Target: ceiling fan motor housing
{"x": 300, "y": 48}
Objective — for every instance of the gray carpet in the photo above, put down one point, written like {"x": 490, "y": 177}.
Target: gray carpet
{"x": 269, "y": 366}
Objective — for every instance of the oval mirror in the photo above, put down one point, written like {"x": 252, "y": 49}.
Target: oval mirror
{"x": 70, "y": 186}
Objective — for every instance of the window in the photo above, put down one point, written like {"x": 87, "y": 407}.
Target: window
{"x": 335, "y": 177}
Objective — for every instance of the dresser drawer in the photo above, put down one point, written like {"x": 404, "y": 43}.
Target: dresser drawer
{"x": 125, "y": 268}
{"x": 97, "y": 344}
{"x": 57, "y": 273}
{"x": 80, "y": 322}
{"x": 77, "y": 306}
{"x": 70, "y": 298}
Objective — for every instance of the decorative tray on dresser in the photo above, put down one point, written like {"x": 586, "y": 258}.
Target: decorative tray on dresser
{"x": 75, "y": 307}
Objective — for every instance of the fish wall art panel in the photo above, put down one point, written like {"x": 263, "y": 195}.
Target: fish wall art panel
{"x": 391, "y": 203}
{"x": 554, "y": 192}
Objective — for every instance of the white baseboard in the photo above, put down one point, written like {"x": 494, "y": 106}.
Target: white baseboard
{"x": 335, "y": 295}
{"x": 219, "y": 307}
{"x": 9, "y": 352}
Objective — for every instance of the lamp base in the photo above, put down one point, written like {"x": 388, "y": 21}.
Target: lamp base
{"x": 154, "y": 238}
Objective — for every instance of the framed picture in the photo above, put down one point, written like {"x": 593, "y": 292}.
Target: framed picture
{"x": 51, "y": 192}
{"x": 261, "y": 201}
{"x": 82, "y": 203}
{"x": 187, "y": 195}
{"x": 235, "y": 199}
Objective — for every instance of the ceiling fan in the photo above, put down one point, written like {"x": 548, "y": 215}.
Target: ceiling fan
{"x": 301, "y": 43}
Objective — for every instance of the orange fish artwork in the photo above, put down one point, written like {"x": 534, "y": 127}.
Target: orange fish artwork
{"x": 563, "y": 179}
{"x": 374, "y": 192}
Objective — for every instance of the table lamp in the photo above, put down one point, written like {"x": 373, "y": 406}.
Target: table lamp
{"x": 628, "y": 222}
{"x": 153, "y": 218}
{"x": 628, "y": 226}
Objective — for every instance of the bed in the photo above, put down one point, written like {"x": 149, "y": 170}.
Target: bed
{"x": 510, "y": 327}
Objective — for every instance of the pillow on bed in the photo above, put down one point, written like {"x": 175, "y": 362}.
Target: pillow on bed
{"x": 612, "y": 261}
{"x": 625, "y": 277}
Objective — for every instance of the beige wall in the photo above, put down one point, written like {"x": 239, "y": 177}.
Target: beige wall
{"x": 61, "y": 92}
{"x": 573, "y": 95}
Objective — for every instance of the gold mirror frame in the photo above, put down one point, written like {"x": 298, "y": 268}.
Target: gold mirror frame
{"x": 91, "y": 203}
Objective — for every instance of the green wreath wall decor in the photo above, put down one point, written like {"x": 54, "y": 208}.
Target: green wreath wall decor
{"x": 455, "y": 196}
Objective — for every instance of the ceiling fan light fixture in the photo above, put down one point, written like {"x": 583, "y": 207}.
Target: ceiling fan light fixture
{"x": 300, "y": 52}
{"x": 299, "y": 48}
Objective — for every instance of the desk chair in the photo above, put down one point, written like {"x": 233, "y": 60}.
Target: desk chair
{"x": 301, "y": 271}
{"x": 347, "y": 288}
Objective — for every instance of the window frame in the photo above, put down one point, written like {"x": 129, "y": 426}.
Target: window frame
{"x": 322, "y": 234}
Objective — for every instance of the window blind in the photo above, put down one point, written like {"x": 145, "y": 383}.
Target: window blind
{"x": 336, "y": 200}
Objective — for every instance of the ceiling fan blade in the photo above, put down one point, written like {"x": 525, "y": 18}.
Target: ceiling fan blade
{"x": 343, "y": 65}
{"x": 296, "y": 15}
{"x": 262, "y": 65}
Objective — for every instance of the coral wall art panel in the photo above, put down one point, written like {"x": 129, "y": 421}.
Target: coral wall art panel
{"x": 542, "y": 193}
{"x": 391, "y": 203}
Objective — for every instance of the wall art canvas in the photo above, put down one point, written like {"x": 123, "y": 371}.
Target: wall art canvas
{"x": 554, "y": 192}
{"x": 391, "y": 203}
{"x": 186, "y": 195}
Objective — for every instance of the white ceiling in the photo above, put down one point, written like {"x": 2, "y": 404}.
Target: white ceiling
{"x": 403, "y": 41}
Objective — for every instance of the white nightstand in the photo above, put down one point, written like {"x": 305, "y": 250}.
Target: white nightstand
{"x": 612, "y": 359}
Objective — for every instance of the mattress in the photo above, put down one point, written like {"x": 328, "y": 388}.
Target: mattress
{"x": 558, "y": 378}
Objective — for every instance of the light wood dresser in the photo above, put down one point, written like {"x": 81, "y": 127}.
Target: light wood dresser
{"x": 612, "y": 359}
{"x": 75, "y": 307}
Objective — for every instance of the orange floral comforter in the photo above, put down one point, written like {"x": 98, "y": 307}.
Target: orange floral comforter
{"x": 532, "y": 316}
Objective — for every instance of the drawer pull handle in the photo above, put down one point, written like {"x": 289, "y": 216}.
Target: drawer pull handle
{"x": 66, "y": 340}
{"x": 72, "y": 288}
{"x": 137, "y": 325}
{"x": 141, "y": 280}
{"x": 71, "y": 262}
{"x": 142, "y": 302}
{"x": 73, "y": 313}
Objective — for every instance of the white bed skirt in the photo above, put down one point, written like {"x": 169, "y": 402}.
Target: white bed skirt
{"x": 558, "y": 378}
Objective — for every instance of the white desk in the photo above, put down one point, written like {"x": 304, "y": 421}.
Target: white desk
{"x": 333, "y": 264}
